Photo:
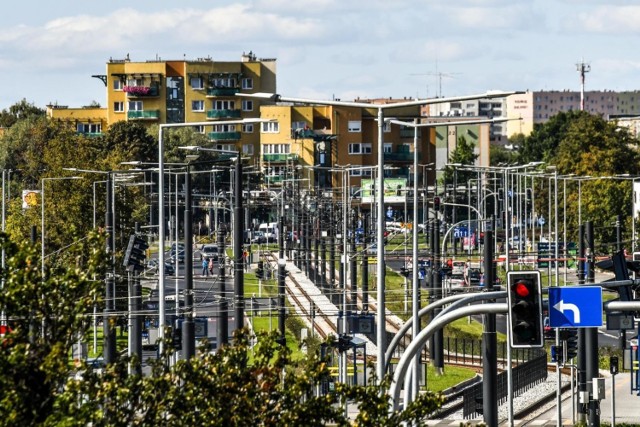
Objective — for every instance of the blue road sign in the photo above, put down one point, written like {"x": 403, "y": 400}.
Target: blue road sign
{"x": 459, "y": 232}
{"x": 575, "y": 307}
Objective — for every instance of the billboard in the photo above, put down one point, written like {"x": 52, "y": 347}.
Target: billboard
{"x": 395, "y": 190}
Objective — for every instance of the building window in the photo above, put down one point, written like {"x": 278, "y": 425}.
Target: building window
{"x": 248, "y": 128}
{"x": 355, "y": 126}
{"x": 197, "y": 83}
{"x": 276, "y": 148}
{"x": 117, "y": 84}
{"x": 222, "y": 104}
{"x": 247, "y": 83}
{"x": 270, "y": 127}
{"x": 89, "y": 128}
{"x": 386, "y": 127}
{"x": 366, "y": 172}
{"x": 247, "y": 149}
{"x": 224, "y": 128}
{"x": 197, "y": 105}
{"x": 355, "y": 172}
{"x": 247, "y": 105}
{"x": 366, "y": 148}
{"x": 135, "y": 106}
{"x": 198, "y": 129}
{"x": 226, "y": 147}
{"x": 355, "y": 148}
{"x": 134, "y": 82}
{"x": 118, "y": 106}
{"x": 223, "y": 82}
{"x": 388, "y": 147}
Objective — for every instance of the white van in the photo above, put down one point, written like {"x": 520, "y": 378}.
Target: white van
{"x": 270, "y": 231}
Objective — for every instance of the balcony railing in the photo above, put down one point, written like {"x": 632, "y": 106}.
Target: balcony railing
{"x": 141, "y": 91}
{"x": 222, "y": 91}
{"x": 224, "y": 136}
{"x": 143, "y": 114}
{"x": 398, "y": 157}
{"x": 223, "y": 114}
{"x": 90, "y": 134}
{"x": 273, "y": 179}
{"x": 279, "y": 157}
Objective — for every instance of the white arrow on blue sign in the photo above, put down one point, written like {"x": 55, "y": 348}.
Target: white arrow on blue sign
{"x": 575, "y": 307}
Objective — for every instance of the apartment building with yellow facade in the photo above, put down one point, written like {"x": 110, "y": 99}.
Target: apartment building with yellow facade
{"x": 180, "y": 91}
{"x": 301, "y": 142}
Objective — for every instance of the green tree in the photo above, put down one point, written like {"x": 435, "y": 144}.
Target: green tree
{"x": 594, "y": 147}
{"x": 19, "y": 111}
{"x": 46, "y": 316}
{"x": 541, "y": 145}
{"x": 224, "y": 389}
{"x": 463, "y": 154}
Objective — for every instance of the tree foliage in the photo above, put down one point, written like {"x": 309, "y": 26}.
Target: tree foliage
{"x": 46, "y": 316}
{"x": 463, "y": 154}
{"x": 19, "y": 111}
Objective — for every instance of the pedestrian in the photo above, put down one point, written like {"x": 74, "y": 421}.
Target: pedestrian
{"x": 245, "y": 259}
{"x": 211, "y": 266}
{"x": 205, "y": 265}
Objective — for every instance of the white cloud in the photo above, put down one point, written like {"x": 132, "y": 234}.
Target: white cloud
{"x": 611, "y": 19}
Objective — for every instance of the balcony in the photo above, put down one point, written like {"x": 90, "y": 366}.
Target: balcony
{"x": 143, "y": 115}
{"x": 279, "y": 157}
{"x": 141, "y": 91}
{"x": 222, "y": 91}
{"x": 224, "y": 136}
{"x": 223, "y": 114}
{"x": 90, "y": 134}
{"x": 400, "y": 156}
{"x": 407, "y": 133}
{"x": 273, "y": 179}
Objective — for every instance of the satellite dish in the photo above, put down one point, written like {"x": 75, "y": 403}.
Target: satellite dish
{"x": 320, "y": 146}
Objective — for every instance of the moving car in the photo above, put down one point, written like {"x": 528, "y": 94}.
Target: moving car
{"x": 209, "y": 252}
{"x": 180, "y": 251}
{"x": 259, "y": 237}
{"x": 169, "y": 269}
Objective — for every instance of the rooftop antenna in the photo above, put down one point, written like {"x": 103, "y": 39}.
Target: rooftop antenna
{"x": 582, "y": 68}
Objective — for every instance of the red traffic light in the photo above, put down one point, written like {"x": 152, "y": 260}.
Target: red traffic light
{"x": 521, "y": 289}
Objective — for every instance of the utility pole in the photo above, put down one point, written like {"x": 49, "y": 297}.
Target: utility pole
{"x": 365, "y": 265}
{"x": 223, "y": 307}
{"x": 109, "y": 330}
{"x": 238, "y": 265}
{"x": 281, "y": 289}
{"x": 582, "y": 69}
{"x": 188, "y": 328}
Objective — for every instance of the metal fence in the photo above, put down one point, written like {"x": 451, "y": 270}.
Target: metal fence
{"x": 469, "y": 352}
{"x": 525, "y": 376}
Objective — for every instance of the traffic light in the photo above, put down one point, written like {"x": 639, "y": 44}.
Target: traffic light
{"x": 136, "y": 253}
{"x": 570, "y": 339}
{"x": 436, "y": 204}
{"x": 525, "y": 309}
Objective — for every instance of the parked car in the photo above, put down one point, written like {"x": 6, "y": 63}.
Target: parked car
{"x": 456, "y": 283}
{"x": 169, "y": 269}
{"x": 209, "y": 252}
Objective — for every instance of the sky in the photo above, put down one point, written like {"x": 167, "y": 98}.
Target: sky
{"x": 326, "y": 49}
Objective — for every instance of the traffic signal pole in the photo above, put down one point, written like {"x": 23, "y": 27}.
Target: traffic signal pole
{"x": 238, "y": 264}
{"x": 223, "y": 307}
{"x": 489, "y": 341}
{"x": 591, "y": 337}
{"x": 188, "y": 328}
{"x": 582, "y": 385}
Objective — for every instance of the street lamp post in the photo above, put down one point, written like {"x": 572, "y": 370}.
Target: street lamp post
{"x": 380, "y": 266}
